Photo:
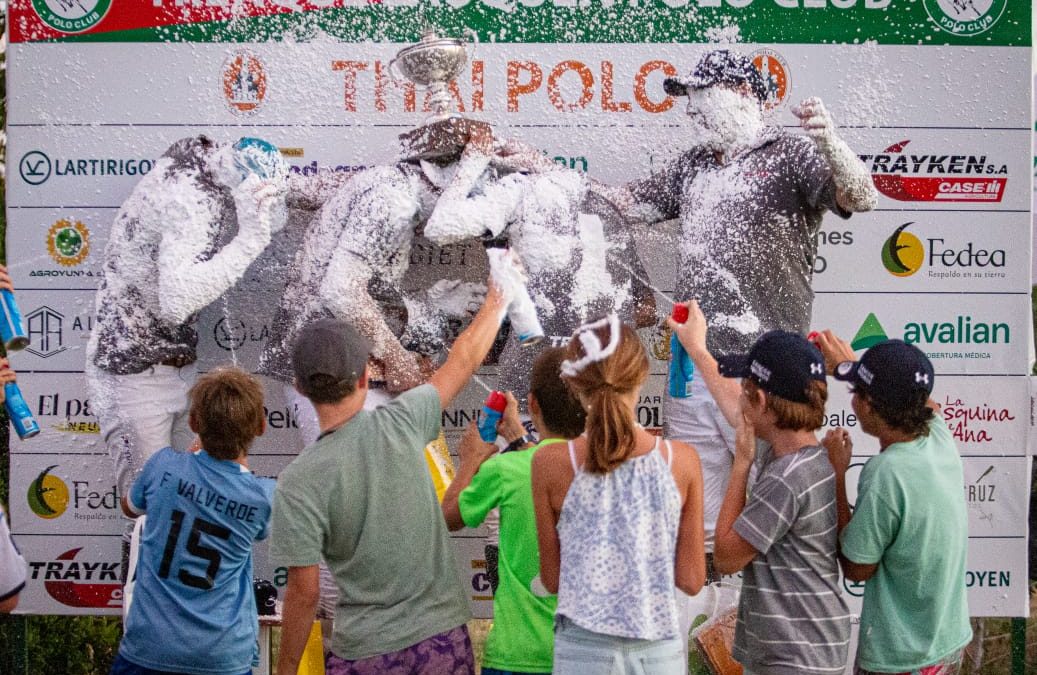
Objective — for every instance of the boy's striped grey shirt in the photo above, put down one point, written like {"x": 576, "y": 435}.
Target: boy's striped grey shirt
{"x": 792, "y": 618}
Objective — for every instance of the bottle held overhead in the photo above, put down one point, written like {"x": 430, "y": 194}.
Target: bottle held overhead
{"x": 521, "y": 311}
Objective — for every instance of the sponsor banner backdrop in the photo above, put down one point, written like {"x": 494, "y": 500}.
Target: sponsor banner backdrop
{"x": 995, "y": 574}
{"x": 72, "y": 494}
{"x": 72, "y": 574}
{"x": 999, "y": 22}
{"x": 58, "y": 324}
{"x": 973, "y": 334}
{"x": 987, "y": 483}
{"x": 934, "y": 264}
{"x": 923, "y": 252}
{"x": 61, "y": 405}
{"x": 67, "y": 252}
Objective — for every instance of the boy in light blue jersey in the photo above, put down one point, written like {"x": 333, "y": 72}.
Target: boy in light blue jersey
{"x": 194, "y": 611}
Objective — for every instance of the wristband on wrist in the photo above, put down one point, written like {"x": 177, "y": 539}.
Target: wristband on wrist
{"x": 519, "y": 443}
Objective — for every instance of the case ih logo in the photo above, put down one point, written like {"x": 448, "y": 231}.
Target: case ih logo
{"x": 80, "y": 584}
{"x": 244, "y": 82}
{"x": 936, "y": 178}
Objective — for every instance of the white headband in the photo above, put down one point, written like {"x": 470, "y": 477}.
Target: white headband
{"x": 592, "y": 349}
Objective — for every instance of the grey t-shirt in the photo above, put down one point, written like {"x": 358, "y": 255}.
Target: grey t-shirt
{"x": 792, "y": 618}
{"x": 748, "y": 233}
{"x": 361, "y": 498}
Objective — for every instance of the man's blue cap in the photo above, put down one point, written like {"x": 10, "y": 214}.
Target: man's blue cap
{"x": 890, "y": 372}
{"x": 781, "y": 363}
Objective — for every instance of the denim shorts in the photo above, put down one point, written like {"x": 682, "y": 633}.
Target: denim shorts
{"x": 582, "y": 652}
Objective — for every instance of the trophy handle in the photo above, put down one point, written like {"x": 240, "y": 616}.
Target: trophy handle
{"x": 394, "y": 72}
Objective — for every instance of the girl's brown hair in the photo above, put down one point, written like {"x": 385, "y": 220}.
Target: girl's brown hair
{"x": 600, "y": 385}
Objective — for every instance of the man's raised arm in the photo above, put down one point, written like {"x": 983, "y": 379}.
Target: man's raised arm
{"x": 470, "y": 347}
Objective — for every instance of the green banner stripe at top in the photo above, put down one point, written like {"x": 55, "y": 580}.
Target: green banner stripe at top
{"x": 900, "y": 22}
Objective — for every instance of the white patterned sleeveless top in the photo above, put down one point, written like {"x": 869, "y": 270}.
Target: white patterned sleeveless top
{"x": 618, "y": 535}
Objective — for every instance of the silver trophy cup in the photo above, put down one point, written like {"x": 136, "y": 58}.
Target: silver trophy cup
{"x": 432, "y": 64}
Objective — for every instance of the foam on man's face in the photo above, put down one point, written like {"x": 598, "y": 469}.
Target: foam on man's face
{"x": 723, "y": 118}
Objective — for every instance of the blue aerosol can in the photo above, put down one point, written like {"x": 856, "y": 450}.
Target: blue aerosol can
{"x": 12, "y": 328}
{"x": 18, "y": 410}
{"x": 682, "y": 369}
{"x": 492, "y": 410}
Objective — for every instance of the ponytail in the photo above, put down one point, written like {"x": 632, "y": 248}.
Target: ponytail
{"x": 611, "y": 433}
{"x": 605, "y": 362}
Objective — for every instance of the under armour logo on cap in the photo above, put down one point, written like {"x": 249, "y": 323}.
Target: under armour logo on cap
{"x": 892, "y": 372}
{"x": 760, "y": 371}
{"x": 782, "y": 363}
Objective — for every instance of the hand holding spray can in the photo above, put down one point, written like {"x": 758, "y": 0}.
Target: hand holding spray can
{"x": 521, "y": 311}
{"x": 12, "y": 331}
{"x": 682, "y": 369}
{"x": 492, "y": 410}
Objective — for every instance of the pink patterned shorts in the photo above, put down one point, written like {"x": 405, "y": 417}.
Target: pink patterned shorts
{"x": 448, "y": 653}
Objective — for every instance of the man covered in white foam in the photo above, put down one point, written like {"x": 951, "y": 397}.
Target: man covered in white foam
{"x": 183, "y": 237}
{"x": 351, "y": 265}
{"x": 750, "y": 198}
{"x": 574, "y": 244}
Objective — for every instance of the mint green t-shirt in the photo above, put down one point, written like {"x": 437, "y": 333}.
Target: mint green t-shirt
{"x": 362, "y": 499}
{"x": 522, "y": 636}
{"x": 911, "y": 519}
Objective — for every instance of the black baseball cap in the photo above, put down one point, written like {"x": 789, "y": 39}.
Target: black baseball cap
{"x": 720, "y": 66}
{"x": 328, "y": 352}
{"x": 781, "y": 363}
{"x": 890, "y": 372}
